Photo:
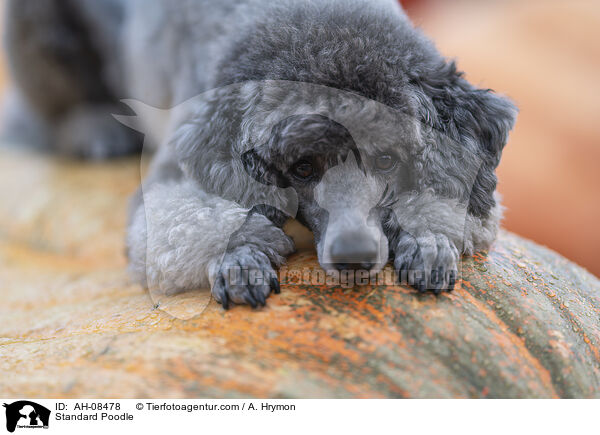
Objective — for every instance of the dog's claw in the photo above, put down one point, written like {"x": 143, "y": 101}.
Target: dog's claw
{"x": 260, "y": 297}
{"x": 220, "y": 293}
{"x": 452, "y": 280}
{"x": 275, "y": 285}
{"x": 250, "y": 300}
{"x": 225, "y": 301}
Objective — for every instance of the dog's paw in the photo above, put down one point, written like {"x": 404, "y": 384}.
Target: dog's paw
{"x": 245, "y": 276}
{"x": 426, "y": 263}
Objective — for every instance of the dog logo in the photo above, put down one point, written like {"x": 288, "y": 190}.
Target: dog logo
{"x": 26, "y": 414}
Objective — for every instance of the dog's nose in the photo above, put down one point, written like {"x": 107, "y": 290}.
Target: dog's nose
{"x": 354, "y": 251}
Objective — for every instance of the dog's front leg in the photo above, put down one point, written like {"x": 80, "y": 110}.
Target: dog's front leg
{"x": 245, "y": 274}
{"x": 181, "y": 238}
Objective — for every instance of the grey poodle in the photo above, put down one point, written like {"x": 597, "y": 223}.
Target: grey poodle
{"x": 337, "y": 113}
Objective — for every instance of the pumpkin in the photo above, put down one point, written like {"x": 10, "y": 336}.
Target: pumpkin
{"x": 524, "y": 322}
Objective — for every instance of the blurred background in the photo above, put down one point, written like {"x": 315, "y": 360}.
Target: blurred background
{"x": 545, "y": 55}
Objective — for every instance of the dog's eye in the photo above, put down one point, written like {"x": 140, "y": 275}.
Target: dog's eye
{"x": 303, "y": 170}
{"x": 385, "y": 162}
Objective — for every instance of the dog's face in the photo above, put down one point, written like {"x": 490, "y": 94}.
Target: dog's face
{"x": 344, "y": 190}
{"x": 366, "y": 174}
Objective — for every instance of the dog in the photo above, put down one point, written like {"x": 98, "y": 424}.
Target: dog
{"x": 340, "y": 114}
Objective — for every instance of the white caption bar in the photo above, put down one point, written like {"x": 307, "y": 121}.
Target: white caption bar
{"x": 265, "y": 416}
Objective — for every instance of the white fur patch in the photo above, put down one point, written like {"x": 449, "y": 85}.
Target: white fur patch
{"x": 179, "y": 234}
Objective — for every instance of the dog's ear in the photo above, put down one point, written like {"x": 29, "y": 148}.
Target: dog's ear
{"x": 466, "y": 114}
{"x": 462, "y": 111}
{"x": 261, "y": 170}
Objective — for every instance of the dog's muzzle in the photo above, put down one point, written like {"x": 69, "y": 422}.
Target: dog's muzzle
{"x": 354, "y": 250}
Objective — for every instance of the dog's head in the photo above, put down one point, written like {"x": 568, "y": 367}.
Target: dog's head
{"x": 359, "y": 166}
{"x": 343, "y": 189}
